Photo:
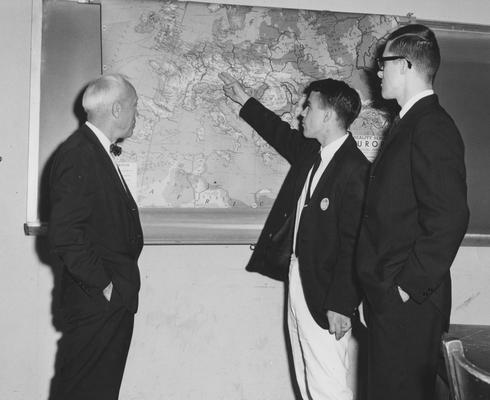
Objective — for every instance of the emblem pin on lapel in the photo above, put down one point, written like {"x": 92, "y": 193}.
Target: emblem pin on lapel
{"x": 324, "y": 203}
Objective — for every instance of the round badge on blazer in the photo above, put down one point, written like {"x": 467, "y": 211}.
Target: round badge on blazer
{"x": 324, "y": 203}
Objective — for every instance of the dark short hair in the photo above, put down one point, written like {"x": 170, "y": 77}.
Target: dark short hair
{"x": 419, "y": 45}
{"x": 338, "y": 95}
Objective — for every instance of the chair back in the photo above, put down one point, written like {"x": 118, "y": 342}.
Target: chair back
{"x": 466, "y": 380}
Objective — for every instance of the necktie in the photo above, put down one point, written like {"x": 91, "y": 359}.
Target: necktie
{"x": 115, "y": 149}
{"x": 316, "y": 164}
{"x": 393, "y": 125}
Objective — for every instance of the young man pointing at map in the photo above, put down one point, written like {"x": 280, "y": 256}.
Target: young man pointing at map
{"x": 309, "y": 237}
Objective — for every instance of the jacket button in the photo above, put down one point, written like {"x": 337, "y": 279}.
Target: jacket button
{"x": 371, "y": 177}
{"x": 366, "y": 216}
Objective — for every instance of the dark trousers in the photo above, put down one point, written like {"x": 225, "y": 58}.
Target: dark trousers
{"x": 92, "y": 353}
{"x": 404, "y": 342}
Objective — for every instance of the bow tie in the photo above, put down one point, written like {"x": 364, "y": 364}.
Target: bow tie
{"x": 115, "y": 149}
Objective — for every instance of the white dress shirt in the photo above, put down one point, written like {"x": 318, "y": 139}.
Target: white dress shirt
{"x": 106, "y": 143}
{"x": 327, "y": 154}
{"x": 409, "y": 104}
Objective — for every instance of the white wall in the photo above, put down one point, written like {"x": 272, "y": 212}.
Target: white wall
{"x": 206, "y": 329}
{"x": 20, "y": 309}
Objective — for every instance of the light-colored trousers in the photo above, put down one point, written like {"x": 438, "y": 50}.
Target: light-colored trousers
{"x": 321, "y": 363}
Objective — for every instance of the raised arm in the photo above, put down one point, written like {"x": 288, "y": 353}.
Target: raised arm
{"x": 288, "y": 142}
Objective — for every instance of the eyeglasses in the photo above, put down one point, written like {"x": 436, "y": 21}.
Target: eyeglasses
{"x": 381, "y": 61}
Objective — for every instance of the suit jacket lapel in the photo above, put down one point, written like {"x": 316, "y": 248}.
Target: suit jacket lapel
{"x": 126, "y": 188}
{"x": 302, "y": 175}
{"x": 392, "y": 132}
{"x": 107, "y": 163}
{"x": 412, "y": 114}
{"x": 349, "y": 143}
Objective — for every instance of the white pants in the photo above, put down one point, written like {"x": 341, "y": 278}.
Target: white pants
{"x": 321, "y": 362}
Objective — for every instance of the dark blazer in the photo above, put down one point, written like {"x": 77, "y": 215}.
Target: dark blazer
{"x": 94, "y": 227}
{"x": 326, "y": 237}
{"x": 416, "y": 211}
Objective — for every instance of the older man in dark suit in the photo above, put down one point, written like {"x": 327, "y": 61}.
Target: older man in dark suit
{"x": 95, "y": 233}
{"x": 309, "y": 237}
{"x": 415, "y": 217}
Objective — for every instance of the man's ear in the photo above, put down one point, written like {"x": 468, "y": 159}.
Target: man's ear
{"x": 404, "y": 67}
{"x": 116, "y": 109}
{"x": 329, "y": 113}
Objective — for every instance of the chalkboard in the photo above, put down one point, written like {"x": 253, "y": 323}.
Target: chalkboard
{"x": 65, "y": 55}
{"x": 463, "y": 86}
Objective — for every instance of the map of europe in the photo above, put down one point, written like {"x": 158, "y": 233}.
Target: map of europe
{"x": 190, "y": 149}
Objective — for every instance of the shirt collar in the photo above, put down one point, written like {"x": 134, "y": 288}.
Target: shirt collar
{"x": 103, "y": 139}
{"x": 330, "y": 149}
{"x": 408, "y": 105}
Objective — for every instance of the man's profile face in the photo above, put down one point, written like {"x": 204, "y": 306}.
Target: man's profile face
{"x": 390, "y": 76}
{"x": 313, "y": 116}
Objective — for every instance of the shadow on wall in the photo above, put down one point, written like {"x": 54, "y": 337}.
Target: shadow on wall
{"x": 42, "y": 245}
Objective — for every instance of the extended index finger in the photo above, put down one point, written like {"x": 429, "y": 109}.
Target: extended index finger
{"x": 226, "y": 78}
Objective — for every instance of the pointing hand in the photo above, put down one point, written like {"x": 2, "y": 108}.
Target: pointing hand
{"x": 233, "y": 89}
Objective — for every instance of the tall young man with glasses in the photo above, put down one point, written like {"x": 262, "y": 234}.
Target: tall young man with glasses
{"x": 415, "y": 217}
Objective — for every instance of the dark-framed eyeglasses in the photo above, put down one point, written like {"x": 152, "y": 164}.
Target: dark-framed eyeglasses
{"x": 381, "y": 61}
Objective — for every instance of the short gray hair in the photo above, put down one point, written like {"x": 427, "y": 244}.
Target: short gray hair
{"x": 103, "y": 91}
